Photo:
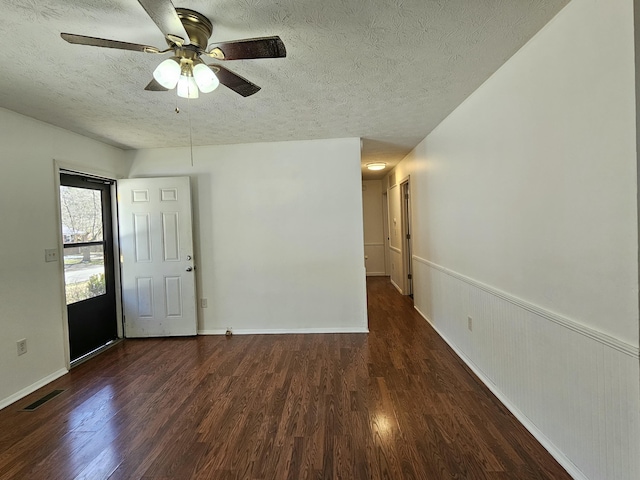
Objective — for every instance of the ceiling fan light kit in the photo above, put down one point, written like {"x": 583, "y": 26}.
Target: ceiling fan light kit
{"x": 187, "y": 33}
{"x": 188, "y": 77}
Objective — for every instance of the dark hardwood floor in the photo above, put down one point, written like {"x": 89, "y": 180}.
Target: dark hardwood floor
{"x": 393, "y": 404}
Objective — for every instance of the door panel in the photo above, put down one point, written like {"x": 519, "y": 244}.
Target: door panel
{"x": 156, "y": 243}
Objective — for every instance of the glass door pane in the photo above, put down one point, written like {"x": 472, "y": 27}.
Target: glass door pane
{"x": 81, "y": 210}
{"x": 84, "y": 272}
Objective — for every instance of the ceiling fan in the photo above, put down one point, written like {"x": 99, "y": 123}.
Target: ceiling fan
{"x": 187, "y": 33}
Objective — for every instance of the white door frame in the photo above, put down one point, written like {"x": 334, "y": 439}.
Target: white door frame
{"x": 385, "y": 231}
{"x": 58, "y": 167}
{"x": 405, "y": 208}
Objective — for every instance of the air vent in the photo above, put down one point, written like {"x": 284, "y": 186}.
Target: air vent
{"x": 43, "y": 400}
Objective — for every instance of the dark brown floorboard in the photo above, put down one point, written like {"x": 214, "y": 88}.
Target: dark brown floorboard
{"x": 393, "y": 404}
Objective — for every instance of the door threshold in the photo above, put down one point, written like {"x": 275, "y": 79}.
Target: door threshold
{"x": 93, "y": 353}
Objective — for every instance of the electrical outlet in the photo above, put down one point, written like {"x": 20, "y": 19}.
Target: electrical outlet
{"x": 470, "y": 323}
{"x": 204, "y": 303}
{"x": 51, "y": 255}
{"x": 22, "y": 346}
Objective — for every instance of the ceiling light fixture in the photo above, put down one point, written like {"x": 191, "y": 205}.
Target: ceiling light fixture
{"x": 376, "y": 166}
{"x": 189, "y": 79}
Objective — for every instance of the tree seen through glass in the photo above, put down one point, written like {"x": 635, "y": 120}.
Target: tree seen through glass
{"x": 81, "y": 212}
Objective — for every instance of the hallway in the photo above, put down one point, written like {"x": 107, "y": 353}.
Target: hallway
{"x": 393, "y": 404}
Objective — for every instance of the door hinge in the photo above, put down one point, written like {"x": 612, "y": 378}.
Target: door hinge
{"x": 406, "y": 196}
{"x": 408, "y": 236}
{"x": 409, "y": 276}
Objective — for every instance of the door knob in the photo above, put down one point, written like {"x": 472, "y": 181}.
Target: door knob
{"x": 189, "y": 269}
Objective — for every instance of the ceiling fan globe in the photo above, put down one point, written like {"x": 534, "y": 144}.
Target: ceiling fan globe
{"x": 187, "y": 87}
{"x": 167, "y": 73}
{"x": 205, "y": 78}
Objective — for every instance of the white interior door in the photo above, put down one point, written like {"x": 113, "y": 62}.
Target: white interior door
{"x": 156, "y": 241}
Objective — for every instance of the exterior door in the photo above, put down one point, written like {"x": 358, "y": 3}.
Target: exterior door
{"x": 157, "y": 266}
{"x": 90, "y": 288}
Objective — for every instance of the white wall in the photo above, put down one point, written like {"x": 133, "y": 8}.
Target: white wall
{"x": 278, "y": 233}
{"x": 30, "y": 289}
{"x": 524, "y": 218}
{"x": 373, "y": 229}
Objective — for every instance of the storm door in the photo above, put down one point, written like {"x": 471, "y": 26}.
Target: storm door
{"x": 90, "y": 291}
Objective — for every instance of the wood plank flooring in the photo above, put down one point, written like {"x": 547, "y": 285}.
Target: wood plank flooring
{"x": 393, "y": 404}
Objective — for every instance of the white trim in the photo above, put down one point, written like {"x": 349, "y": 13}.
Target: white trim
{"x": 32, "y": 388}
{"x": 63, "y": 297}
{"x": 395, "y": 249}
{"x": 572, "y": 325}
{"x": 396, "y": 285}
{"x": 555, "y": 452}
{"x": 376, "y": 274}
{"x": 59, "y": 167}
{"x": 84, "y": 170}
{"x": 281, "y": 331}
{"x": 405, "y": 179}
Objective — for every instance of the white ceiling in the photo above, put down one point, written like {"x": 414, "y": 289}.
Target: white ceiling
{"x": 387, "y": 71}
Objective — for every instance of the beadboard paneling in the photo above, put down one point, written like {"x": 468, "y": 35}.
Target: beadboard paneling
{"x": 395, "y": 255}
{"x": 575, "y": 388}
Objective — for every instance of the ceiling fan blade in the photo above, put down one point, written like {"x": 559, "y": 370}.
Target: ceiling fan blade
{"x": 154, "y": 86}
{"x": 164, "y": 15}
{"x": 103, "y": 42}
{"x": 264, "y": 47}
{"x": 234, "y": 81}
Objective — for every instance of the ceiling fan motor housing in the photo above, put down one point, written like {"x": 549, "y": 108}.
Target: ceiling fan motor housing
{"x": 198, "y": 27}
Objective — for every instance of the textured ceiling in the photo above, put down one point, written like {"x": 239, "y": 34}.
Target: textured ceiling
{"x": 387, "y": 71}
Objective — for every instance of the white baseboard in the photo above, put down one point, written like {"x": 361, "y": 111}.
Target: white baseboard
{"x": 376, "y": 274}
{"x": 281, "y": 331}
{"x": 32, "y": 388}
{"x": 396, "y": 285}
{"x": 556, "y": 453}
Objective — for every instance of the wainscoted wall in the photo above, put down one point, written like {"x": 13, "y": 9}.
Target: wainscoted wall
{"x": 521, "y": 225}
{"x": 396, "y": 268}
{"x": 374, "y": 259}
{"x": 524, "y": 204}
{"x": 373, "y": 230}
{"x": 575, "y": 384}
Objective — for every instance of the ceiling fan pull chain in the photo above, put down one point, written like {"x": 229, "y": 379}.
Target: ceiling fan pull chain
{"x": 190, "y": 130}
